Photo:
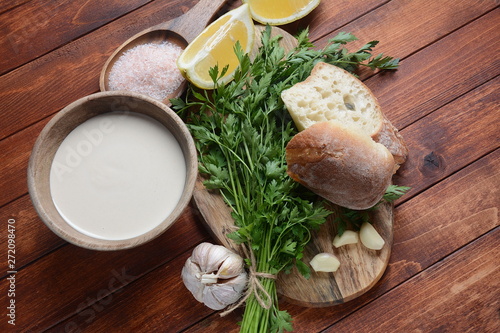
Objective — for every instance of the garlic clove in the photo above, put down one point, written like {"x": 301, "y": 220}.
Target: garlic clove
{"x": 230, "y": 291}
{"x": 208, "y": 278}
{"x": 370, "y": 237}
{"x": 191, "y": 281}
{"x": 348, "y": 237}
{"x": 325, "y": 262}
{"x": 209, "y": 299}
{"x": 231, "y": 267}
{"x": 209, "y": 256}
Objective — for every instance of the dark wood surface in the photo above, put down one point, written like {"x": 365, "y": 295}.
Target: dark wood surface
{"x": 443, "y": 272}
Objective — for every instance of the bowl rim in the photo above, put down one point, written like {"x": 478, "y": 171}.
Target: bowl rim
{"x": 38, "y": 189}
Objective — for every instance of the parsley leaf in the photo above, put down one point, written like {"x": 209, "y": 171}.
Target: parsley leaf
{"x": 395, "y": 192}
{"x": 241, "y": 130}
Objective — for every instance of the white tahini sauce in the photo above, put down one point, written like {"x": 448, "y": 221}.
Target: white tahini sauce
{"x": 117, "y": 175}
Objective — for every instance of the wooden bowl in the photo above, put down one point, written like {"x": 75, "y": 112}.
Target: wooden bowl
{"x": 68, "y": 119}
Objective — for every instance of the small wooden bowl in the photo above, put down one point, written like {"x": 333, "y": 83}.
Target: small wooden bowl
{"x": 68, "y": 119}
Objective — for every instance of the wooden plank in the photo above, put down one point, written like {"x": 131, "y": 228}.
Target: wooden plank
{"x": 74, "y": 67}
{"x": 426, "y": 232}
{"x": 6, "y": 5}
{"x": 434, "y": 232}
{"x": 469, "y": 109}
{"x": 332, "y": 15}
{"x": 73, "y": 70}
{"x": 414, "y": 260}
{"x": 435, "y": 76}
{"x": 51, "y": 25}
{"x": 459, "y": 294}
{"x": 328, "y": 16}
{"x": 70, "y": 72}
{"x": 70, "y": 279}
{"x": 16, "y": 151}
{"x": 431, "y": 155}
{"x": 38, "y": 91}
{"x": 406, "y": 26}
{"x": 33, "y": 239}
{"x": 450, "y": 138}
{"x": 392, "y": 90}
{"x": 476, "y": 207}
{"x": 159, "y": 302}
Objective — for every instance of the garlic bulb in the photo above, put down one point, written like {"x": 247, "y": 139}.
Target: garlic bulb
{"x": 214, "y": 275}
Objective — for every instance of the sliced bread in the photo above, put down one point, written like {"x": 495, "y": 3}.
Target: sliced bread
{"x": 333, "y": 94}
{"x": 344, "y": 166}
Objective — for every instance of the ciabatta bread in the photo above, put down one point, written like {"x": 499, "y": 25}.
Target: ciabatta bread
{"x": 333, "y": 94}
{"x": 342, "y": 165}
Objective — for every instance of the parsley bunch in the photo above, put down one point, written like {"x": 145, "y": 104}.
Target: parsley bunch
{"x": 241, "y": 130}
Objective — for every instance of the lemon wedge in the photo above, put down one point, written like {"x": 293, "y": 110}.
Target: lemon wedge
{"x": 215, "y": 46}
{"x": 277, "y": 12}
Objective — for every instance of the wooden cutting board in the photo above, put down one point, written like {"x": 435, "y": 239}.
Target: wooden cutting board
{"x": 360, "y": 267}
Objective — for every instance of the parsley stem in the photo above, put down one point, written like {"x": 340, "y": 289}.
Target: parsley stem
{"x": 241, "y": 130}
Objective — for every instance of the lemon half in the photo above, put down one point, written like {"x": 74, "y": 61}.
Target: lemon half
{"x": 277, "y": 12}
{"x": 215, "y": 46}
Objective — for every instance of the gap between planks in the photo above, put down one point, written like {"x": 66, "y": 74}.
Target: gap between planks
{"x": 432, "y": 270}
{"x": 468, "y": 175}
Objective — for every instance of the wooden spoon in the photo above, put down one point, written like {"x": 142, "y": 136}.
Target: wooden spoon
{"x": 180, "y": 31}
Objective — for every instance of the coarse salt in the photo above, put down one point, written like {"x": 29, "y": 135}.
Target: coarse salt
{"x": 149, "y": 69}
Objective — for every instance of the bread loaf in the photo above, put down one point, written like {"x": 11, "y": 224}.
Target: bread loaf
{"x": 332, "y": 94}
{"x": 342, "y": 165}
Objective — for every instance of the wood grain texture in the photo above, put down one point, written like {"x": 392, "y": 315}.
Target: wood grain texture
{"x": 360, "y": 268}
{"x": 449, "y": 46}
{"x": 7, "y": 5}
{"x": 76, "y": 66}
{"x": 71, "y": 70}
{"x": 17, "y": 165}
{"x": 216, "y": 215}
{"x": 405, "y": 26}
{"x": 413, "y": 259}
{"x": 424, "y": 234}
{"x": 16, "y": 151}
{"x": 159, "y": 298}
{"x": 333, "y": 15}
{"x": 73, "y": 278}
{"x": 451, "y": 138}
{"x": 460, "y": 295}
{"x": 440, "y": 75}
{"x": 445, "y": 212}
{"x": 328, "y": 16}
{"x": 34, "y": 239}
{"x": 23, "y": 40}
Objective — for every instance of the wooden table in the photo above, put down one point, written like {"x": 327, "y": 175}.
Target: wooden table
{"x": 443, "y": 274}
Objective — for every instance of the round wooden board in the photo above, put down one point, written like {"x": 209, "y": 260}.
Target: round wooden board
{"x": 360, "y": 267}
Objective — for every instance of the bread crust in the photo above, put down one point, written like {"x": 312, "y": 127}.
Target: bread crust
{"x": 342, "y": 165}
{"x": 389, "y": 136}
{"x": 307, "y": 105}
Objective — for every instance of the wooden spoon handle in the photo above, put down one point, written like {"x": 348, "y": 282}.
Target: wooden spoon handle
{"x": 192, "y": 23}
